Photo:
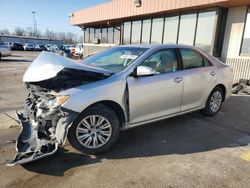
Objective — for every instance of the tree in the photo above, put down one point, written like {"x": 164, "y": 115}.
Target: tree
{"x": 61, "y": 36}
{"x": 67, "y": 38}
{"x": 48, "y": 34}
{"x": 38, "y": 34}
{"x": 29, "y": 32}
{"x": 19, "y": 31}
{"x": 70, "y": 38}
{"x": 80, "y": 39}
{"x": 4, "y": 32}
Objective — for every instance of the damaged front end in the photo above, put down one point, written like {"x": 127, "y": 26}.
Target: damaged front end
{"x": 44, "y": 125}
{"x": 44, "y": 121}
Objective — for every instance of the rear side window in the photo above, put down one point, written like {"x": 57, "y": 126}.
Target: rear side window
{"x": 191, "y": 59}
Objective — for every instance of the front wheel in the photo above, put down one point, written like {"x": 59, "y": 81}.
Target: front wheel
{"x": 95, "y": 130}
{"x": 214, "y": 102}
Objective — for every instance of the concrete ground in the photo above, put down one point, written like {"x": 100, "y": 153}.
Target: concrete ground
{"x": 186, "y": 151}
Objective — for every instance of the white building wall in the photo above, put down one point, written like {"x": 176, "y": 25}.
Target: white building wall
{"x": 234, "y": 31}
{"x": 232, "y": 43}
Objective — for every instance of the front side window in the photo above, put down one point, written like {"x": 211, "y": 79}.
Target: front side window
{"x": 163, "y": 61}
{"x": 115, "y": 59}
{"x": 245, "y": 48}
{"x": 191, "y": 59}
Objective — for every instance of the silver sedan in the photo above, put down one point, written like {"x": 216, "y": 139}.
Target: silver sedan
{"x": 114, "y": 90}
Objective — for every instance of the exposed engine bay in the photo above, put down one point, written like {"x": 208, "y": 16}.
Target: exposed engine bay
{"x": 44, "y": 125}
{"x": 69, "y": 78}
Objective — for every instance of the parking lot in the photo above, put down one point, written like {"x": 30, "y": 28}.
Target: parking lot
{"x": 186, "y": 151}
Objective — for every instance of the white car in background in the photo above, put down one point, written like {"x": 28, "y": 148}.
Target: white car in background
{"x": 71, "y": 48}
{"x": 29, "y": 47}
{"x": 79, "y": 50}
{"x": 48, "y": 46}
{"x": 4, "y": 50}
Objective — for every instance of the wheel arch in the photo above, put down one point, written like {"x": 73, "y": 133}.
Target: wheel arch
{"x": 114, "y": 106}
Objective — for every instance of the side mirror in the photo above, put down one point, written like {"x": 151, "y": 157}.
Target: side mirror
{"x": 144, "y": 71}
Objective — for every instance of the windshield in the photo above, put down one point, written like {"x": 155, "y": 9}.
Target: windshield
{"x": 115, "y": 59}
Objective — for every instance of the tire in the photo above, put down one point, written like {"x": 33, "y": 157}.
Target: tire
{"x": 80, "y": 131}
{"x": 211, "y": 108}
{"x": 0, "y": 56}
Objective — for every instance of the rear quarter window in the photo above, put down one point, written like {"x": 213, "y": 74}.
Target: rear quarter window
{"x": 206, "y": 62}
{"x": 191, "y": 59}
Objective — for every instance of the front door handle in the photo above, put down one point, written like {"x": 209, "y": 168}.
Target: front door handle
{"x": 178, "y": 79}
{"x": 212, "y": 73}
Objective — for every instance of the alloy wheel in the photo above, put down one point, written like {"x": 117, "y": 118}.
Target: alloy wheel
{"x": 215, "y": 101}
{"x": 93, "y": 131}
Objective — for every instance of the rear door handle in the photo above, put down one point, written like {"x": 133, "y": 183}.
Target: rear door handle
{"x": 178, "y": 79}
{"x": 212, "y": 73}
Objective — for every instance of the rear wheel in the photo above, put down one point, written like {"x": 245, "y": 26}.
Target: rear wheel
{"x": 95, "y": 130}
{"x": 214, "y": 102}
{"x": 0, "y": 56}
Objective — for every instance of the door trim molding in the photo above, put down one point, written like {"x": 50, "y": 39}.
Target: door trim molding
{"x": 128, "y": 125}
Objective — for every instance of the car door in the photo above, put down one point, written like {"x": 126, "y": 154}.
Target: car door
{"x": 199, "y": 78}
{"x": 158, "y": 95}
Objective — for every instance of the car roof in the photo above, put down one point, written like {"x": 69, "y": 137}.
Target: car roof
{"x": 214, "y": 60}
{"x": 151, "y": 46}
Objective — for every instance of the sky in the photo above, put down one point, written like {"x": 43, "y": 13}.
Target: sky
{"x": 50, "y": 14}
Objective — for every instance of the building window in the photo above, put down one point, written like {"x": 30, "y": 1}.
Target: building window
{"x": 157, "y": 29}
{"x": 117, "y": 35}
{"x": 86, "y": 35}
{"x": 91, "y": 35}
{"x": 205, "y": 30}
{"x": 111, "y": 35}
{"x": 97, "y": 33}
{"x": 146, "y": 27}
{"x": 104, "y": 36}
{"x": 187, "y": 29}
{"x": 171, "y": 29}
{"x": 126, "y": 32}
{"x": 136, "y": 32}
{"x": 245, "y": 48}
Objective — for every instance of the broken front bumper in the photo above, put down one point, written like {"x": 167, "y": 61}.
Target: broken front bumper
{"x": 34, "y": 142}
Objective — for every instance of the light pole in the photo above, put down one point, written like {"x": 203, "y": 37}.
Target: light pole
{"x": 34, "y": 24}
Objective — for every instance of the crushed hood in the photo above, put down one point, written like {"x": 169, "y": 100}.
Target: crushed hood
{"x": 47, "y": 65}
